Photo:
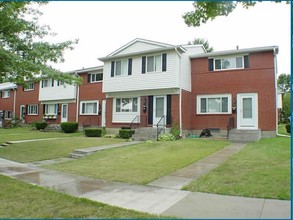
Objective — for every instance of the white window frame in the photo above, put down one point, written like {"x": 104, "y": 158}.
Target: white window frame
{"x": 93, "y": 77}
{"x": 223, "y": 59}
{"x": 123, "y": 67}
{"x": 48, "y": 82}
{"x": 6, "y": 94}
{"x": 131, "y": 104}
{"x": 31, "y": 86}
{"x": 33, "y": 109}
{"x": 157, "y": 63}
{"x": 6, "y": 115}
{"x": 220, "y": 96}
{"x": 88, "y": 102}
{"x": 47, "y": 109}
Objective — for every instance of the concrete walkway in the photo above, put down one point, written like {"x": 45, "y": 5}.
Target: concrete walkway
{"x": 162, "y": 196}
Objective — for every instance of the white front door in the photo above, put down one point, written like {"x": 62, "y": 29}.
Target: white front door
{"x": 247, "y": 111}
{"x": 159, "y": 110}
{"x": 22, "y": 112}
{"x": 1, "y": 115}
{"x": 103, "y": 113}
{"x": 64, "y": 112}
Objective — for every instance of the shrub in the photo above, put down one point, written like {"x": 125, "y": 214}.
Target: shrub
{"x": 288, "y": 128}
{"x": 93, "y": 132}
{"x": 125, "y": 133}
{"x": 166, "y": 137}
{"x": 69, "y": 127}
{"x": 41, "y": 125}
{"x": 175, "y": 130}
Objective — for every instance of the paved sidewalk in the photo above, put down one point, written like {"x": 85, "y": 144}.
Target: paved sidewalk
{"x": 165, "y": 198}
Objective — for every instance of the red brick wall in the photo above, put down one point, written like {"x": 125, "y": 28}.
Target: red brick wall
{"x": 7, "y": 103}
{"x": 91, "y": 91}
{"x": 258, "y": 78}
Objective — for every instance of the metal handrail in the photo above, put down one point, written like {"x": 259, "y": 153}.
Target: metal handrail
{"x": 230, "y": 125}
{"x": 163, "y": 127}
{"x": 135, "y": 118}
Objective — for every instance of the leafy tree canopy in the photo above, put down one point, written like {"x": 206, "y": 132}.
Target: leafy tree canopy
{"x": 204, "y": 42}
{"x": 24, "y": 54}
{"x": 209, "y": 10}
{"x": 284, "y": 82}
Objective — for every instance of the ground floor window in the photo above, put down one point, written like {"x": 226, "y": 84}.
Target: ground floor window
{"x": 214, "y": 104}
{"x": 32, "y": 110}
{"x": 8, "y": 114}
{"x": 51, "y": 109}
{"x": 89, "y": 107}
{"x": 126, "y": 105}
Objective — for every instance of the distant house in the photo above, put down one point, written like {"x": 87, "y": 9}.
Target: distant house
{"x": 7, "y": 102}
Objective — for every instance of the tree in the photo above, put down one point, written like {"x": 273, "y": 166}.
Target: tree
{"x": 284, "y": 82}
{"x": 206, "y": 10}
{"x": 204, "y": 42}
{"x": 286, "y": 110}
{"x": 24, "y": 54}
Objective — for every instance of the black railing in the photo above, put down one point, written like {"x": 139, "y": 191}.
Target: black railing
{"x": 161, "y": 126}
{"x": 135, "y": 121}
{"x": 230, "y": 125}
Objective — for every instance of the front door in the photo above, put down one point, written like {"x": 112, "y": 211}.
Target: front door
{"x": 159, "y": 110}
{"x": 103, "y": 113}
{"x": 22, "y": 113}
{"x": 247, "y": 111}
{"x": 64, "y": 112}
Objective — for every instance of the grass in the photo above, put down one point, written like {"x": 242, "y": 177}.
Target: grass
{"x": 142, "y": 163}
{"x": 51, "y": 149}
{"x": 26, "y": 133}
{"x": 22, "y": 200}
{"x": 261, "y": 170}
{"x": 282, "y": 129}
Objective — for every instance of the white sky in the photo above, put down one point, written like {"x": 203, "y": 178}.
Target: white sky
{"x": 104, "y": 26}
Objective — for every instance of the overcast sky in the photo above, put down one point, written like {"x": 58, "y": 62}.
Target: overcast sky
{"x": 103, "y": 27}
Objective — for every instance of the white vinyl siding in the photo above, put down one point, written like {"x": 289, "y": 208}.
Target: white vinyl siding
{"x": 32, "y": 110}
{"x": 214, "y": 104}
{"x": 89, "y": 107}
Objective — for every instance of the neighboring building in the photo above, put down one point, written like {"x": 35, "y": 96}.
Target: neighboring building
{"x": 58, "y": 101}
{"x": 237, "y": 84}
{"x": 91, "y": 101}
{"x": 146, "y": 82}
{"x": 7, "y": 102}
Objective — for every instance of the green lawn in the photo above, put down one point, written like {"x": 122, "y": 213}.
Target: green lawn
{"x": 51, "y": 149}
{"x": 261, "y": 170}
{"x": 22, "y": 200}
{"x": 141, "y": 163}
{"x": 282, "y": 129}
{"x": 26, "y": 133}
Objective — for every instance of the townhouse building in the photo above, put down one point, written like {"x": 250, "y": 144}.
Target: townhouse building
{"x": 147, "y": 83}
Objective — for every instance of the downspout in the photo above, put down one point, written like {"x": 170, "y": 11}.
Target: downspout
{"x": 180, "y": 93}
{"x": 77, "y": 100}
{"x": 14, "y": 102}
{"x": 276, "y": 94}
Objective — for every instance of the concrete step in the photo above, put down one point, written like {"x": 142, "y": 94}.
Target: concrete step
{"x": 244, "y": 136}
{"x": 144, "y": 134}
{"x": 76, "y": 156}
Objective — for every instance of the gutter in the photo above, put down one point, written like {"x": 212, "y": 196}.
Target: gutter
{"x": 14, "y": 102}
{"x": 77, "y": 99}
{"x": 276, "y": 93}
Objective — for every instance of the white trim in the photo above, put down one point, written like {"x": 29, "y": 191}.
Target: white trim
{"x": 87, "y": 102}
{"x": 228, "y": 57}
{"x": 124, "y": 117}
{"x": 28, "y": 109}
{"x": 62, "y": 118}
{"x": 156, "y": 119}
{"x": 240, "y": 122}
{"x": 6, "y": 94}
{"x": 198, "y": 104}
{"x": 29, "y": 89}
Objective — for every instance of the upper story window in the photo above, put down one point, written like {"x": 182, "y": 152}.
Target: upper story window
{"x": 214, "y": 104}
{"x": 47, "y": 83}
{"x": 121, "y": 67}
{"x": 60, "y": 83}
{"x": 30, "y": 86}
{"x": 154, "y": 63}
{"x": 228, "y": 63}
{"x": 95, "y": 77}
{"x": 126, "y": 105}
{"x": 6, "y": 94}
{"x": 89, "y": 107}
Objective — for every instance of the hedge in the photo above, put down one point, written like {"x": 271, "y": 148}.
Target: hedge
{"x": 69, "y": 127}
{"x": 125, "y": 133}
{"x": 41, "y": 125}
{"x": 288, "y": 128}
{"x": 93, "y": 132}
